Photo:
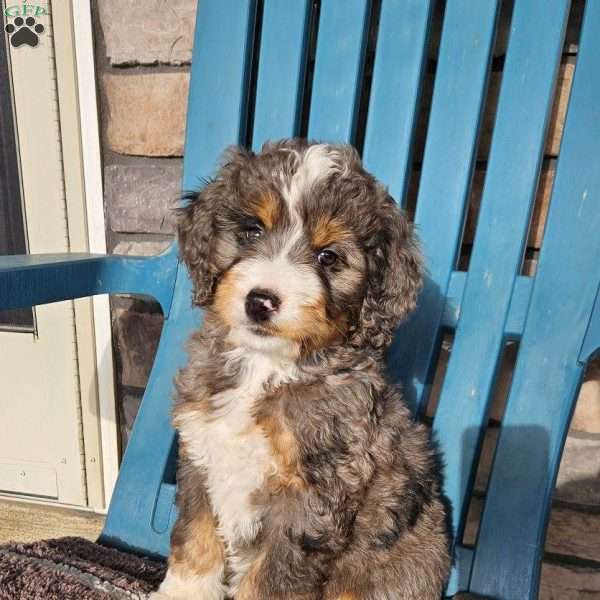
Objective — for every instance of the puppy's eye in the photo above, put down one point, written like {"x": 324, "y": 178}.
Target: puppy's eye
{"x": 253, "y": 232}
{"x": 327, "y": 257}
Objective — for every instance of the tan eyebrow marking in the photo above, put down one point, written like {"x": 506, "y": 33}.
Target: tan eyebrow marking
{"x": 327, "y": 231}
{"x": 267, "y": 209}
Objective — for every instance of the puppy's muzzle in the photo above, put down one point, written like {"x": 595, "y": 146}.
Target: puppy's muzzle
{"x": 261, "y": 305}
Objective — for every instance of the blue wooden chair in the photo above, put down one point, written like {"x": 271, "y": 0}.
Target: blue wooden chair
{"x": 250, "y": 69}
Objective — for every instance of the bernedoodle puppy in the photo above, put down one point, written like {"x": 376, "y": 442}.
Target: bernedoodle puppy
{"x": 301, "y": 475}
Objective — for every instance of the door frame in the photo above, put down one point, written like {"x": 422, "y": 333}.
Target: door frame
{"x": 94, "y": 200}
{"x": 70, "y": 26}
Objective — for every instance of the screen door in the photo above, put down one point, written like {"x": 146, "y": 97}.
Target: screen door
{"x": 49, "y": 438}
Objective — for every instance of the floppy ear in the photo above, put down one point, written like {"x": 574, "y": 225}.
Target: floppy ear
{"x": 204, "y": 244}
{"x": 196, "y": 234}
{"x": 395, "y": 275}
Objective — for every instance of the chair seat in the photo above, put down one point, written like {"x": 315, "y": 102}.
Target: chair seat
{"x": 73, "y": 568}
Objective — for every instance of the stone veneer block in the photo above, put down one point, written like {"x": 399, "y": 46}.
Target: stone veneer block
{"x": 140, "y": 198}
{"x": 587, "y": 410}
{"x": 148, "y": 32}
{"x": 140, "y": 248}
{"x": 137, "y": 335}
{"x": 146, "y": 112}
{"x": 569, "y": 582}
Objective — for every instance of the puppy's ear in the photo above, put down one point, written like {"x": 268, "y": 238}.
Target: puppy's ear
{"x": 196, "y": 234}
{"x": 205, "y": 245}
{"x": 395, "y": 275}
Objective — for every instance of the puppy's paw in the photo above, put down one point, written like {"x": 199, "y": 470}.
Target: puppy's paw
{"x": 198, "y": 587}
{"x": 192, "y": 595}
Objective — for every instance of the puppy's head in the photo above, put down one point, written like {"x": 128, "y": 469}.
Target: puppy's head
{"x": 298, "y": 248}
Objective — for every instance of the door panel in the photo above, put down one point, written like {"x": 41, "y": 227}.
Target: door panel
{"x": 42, "y": 419}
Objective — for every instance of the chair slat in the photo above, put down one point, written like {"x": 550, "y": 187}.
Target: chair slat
{"x": 339, "y": 63}
{"x": 524, "y": 106}
{"x": 216, "y": 118}
{"x": 217, "y": 102}
{"x": 548, "y": 374}
{"x": 459, "y": 91}
{"x": 395, "y": 91}
{"x": 517, "y": 312}
{"x": 281, "y": 70}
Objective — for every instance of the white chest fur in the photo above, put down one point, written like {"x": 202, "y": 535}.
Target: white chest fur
{"x": 234, "y": 453}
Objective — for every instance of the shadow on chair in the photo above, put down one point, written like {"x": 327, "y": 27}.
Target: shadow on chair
{"x": 509, "y": 529}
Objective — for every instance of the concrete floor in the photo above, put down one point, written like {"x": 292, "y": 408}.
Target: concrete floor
{"x": 25, "y": 522}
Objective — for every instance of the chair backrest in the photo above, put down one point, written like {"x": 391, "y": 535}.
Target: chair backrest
{"x": 272, "y": 69}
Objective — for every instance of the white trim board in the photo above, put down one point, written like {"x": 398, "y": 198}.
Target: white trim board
{"x": 92, "y": 172}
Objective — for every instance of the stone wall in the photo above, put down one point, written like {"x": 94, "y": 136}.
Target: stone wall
{"x": 143, "y": 57}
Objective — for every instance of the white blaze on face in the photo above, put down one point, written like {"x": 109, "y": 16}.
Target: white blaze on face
{"x": 316, "y": 163}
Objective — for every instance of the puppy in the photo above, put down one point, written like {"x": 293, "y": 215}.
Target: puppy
{"x": 301, "y": 475}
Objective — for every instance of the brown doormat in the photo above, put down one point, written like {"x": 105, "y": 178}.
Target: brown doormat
{"x": 73, "y": 568}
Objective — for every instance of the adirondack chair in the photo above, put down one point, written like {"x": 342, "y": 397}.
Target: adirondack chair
{"x": 555, "y": 315}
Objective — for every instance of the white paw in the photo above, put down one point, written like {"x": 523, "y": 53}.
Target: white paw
{"x": 196, "y": 595}
{"x": 200, "y": 587}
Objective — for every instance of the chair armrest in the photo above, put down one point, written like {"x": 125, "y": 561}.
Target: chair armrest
{"x": 28, "y": 280}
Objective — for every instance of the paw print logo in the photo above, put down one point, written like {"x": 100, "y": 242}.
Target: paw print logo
{"x": 24, "y": 31}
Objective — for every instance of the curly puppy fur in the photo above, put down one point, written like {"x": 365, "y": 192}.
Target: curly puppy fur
{"x": 301, "y": 474}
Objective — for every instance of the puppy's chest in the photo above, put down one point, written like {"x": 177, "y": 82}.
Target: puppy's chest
{"x": 235, "y": 454}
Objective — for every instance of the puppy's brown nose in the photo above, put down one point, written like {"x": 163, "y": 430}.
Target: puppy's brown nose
{"x": 261, "y": 305}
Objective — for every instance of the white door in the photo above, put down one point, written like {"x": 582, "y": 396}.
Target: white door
{"x": 50, "y": 428}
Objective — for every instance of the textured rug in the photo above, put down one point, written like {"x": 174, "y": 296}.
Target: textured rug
{"x": 73, "y": 568}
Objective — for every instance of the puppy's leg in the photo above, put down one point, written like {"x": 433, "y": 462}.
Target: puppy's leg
{"x": 274, "y": 577}
{"x": 294, "y": 559}
{"x": 196, "y": 562}
{"x": 403, "y": 562}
